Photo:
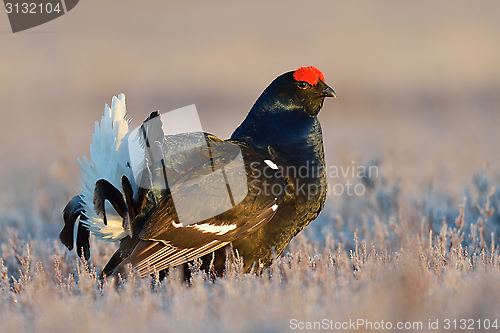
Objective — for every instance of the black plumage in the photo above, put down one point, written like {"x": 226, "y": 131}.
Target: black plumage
{"x": 282, "y": 148}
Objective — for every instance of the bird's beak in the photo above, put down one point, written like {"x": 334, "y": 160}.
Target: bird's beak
{"x": 328, "y": 92}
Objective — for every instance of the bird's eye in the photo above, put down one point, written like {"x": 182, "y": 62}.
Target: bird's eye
{"x": 302, "y": 84}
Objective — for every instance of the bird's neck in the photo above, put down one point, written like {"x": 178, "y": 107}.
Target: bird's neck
{"x": 294, "y": 138}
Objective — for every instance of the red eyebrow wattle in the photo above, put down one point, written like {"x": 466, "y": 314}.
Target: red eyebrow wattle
{"x": 309, "y": 74}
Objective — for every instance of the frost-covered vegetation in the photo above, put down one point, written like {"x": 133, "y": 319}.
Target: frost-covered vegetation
{"x": 378, "y": 258}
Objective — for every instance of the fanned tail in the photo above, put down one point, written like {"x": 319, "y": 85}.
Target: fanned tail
{"x": 109, "y": 160}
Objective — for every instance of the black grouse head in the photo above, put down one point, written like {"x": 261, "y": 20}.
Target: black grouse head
{"x": 303, "y": 89}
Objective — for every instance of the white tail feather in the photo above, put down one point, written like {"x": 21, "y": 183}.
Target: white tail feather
{"x": 109, "y": 159}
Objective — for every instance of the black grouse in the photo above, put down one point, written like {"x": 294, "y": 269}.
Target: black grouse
{"x": 280, "y": 144}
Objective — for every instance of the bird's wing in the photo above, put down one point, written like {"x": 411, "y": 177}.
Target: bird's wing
{"x": 176, "y": 227}
{"x": 155, "y": 256}
{"x": 195, "y": 241}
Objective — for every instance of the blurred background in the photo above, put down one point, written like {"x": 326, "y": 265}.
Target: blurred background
{"x": 418, "y": 84}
